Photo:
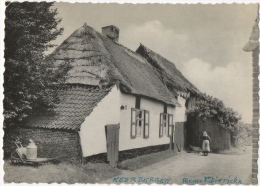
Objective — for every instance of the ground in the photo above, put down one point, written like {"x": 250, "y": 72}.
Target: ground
{"x": 194, "y": 167}
{"x": 64, "y": 172}
{"x": 181, "y": 168}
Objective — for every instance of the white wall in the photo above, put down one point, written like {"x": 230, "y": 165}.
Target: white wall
{"x": 92, "y": 131}
{"x": 155, "y": 108}
{"x": 180, "y": 115}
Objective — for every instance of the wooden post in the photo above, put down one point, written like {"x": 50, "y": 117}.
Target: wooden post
{"x": 171, "y": 138}
{"x": 80, "y": 149}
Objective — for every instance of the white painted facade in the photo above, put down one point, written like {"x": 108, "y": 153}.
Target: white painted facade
{"x": 107, "y": 111}
{"x": 155, "y": 108}
{"x": 92, "y": 131}
{"x": 180, "y": 115}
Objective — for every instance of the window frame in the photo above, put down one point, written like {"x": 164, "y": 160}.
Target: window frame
{"x": 170, "y": 125}
{"x": 135, "y": 122}
{"x": 138, "y": 120}
{"x": 168, "y": 122}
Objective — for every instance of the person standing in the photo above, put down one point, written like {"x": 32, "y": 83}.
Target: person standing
{"x": 205, "y": 143}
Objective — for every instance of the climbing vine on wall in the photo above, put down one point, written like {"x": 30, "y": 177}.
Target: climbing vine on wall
{"x": 210, "y": 107}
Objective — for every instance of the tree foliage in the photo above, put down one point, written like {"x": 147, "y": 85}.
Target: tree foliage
{"x": 210, "y": 107}
{"x": 242, "y": 134}
{"x": 29, "y": 28}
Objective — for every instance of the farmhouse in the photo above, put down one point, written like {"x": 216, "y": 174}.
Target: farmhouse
{"x": 113, "y": 101}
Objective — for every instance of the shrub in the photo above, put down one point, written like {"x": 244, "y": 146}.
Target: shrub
{"x": 241, "y": 135}
{"x": 210, "y": 107}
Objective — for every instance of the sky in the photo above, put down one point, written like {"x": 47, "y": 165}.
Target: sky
{"x": 204, "y": 41}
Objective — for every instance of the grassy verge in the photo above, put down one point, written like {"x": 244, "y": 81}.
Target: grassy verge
{"x": 72, "y": 172}
{"x": 145, "y": 160}
{"x": 60, "y": 173}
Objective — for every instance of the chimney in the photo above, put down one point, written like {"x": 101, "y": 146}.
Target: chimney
{"x": 111, "y": 32}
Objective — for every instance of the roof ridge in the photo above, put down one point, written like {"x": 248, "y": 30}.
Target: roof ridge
{"x": 182, "y": 82}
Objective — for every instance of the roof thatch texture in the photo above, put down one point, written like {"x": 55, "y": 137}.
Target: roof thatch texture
{"x": 95, "y": 58}
{"x": 171, "y": 76}
{"x": 76, "y": 103}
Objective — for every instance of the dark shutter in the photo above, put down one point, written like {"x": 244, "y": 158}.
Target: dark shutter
{"x": 133, "y": 123}
{"x": 165, "y": 124}
{"x": 170, "y": 124}
{"x": 161, "y": 126}
{"x": 146, "y": 124}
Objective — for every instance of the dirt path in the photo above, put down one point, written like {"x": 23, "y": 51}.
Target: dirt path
{"x": 192, "y": 168}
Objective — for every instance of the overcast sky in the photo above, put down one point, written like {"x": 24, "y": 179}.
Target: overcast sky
{"x": 204, "y": 41}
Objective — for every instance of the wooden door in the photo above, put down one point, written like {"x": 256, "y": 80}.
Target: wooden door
{"x": 172, "y": 136}
{"x": 112, "y": 137}
{"x": 179, "y": 137}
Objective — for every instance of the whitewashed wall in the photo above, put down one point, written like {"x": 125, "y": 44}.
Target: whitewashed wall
{"x": 92, "y": 131}
{"x": 180, "y": 115}
{"x": 155, "y": 108}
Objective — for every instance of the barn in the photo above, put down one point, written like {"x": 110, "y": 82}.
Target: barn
{"x": 113, "y": 102}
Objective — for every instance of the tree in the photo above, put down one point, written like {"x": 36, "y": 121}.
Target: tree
{"x": 29, "y": 28}
{"x": 210, "y": 107}
{"x": 241, "y": 135}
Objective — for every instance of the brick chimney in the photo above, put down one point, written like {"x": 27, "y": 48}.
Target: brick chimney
{"x": 111, "y": 32}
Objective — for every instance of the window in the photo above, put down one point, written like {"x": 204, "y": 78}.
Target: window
{"x": 139, "y": 123}
{"x": 166, "y": 123}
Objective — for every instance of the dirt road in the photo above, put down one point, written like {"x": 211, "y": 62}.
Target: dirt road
{"x": 192, "y": 168}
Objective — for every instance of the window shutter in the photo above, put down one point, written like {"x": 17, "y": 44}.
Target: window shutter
{"x": 133, "y": 123}
{"x": 165, "y": 124}
{"x": 170, "y": 124}
{"x": 161, "y": 126}
{"x": 146, "y": 124}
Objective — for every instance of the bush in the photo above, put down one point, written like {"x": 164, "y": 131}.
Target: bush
{"x": 241, "y": 135}
{"x": 210, "y": 107}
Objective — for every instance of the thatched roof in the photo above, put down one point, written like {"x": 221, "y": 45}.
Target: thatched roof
{"x": 96, "y": 58}
{"x": 171, "y": 76}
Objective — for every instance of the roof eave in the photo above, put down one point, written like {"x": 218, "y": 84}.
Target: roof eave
{"x": 250, "y": 46}
{"x": 122, "y": 90}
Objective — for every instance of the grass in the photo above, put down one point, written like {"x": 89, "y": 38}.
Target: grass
{"x": 73, "y": 172}
{"x": 60, "y": 173}
{"x": 145, "y": 160}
